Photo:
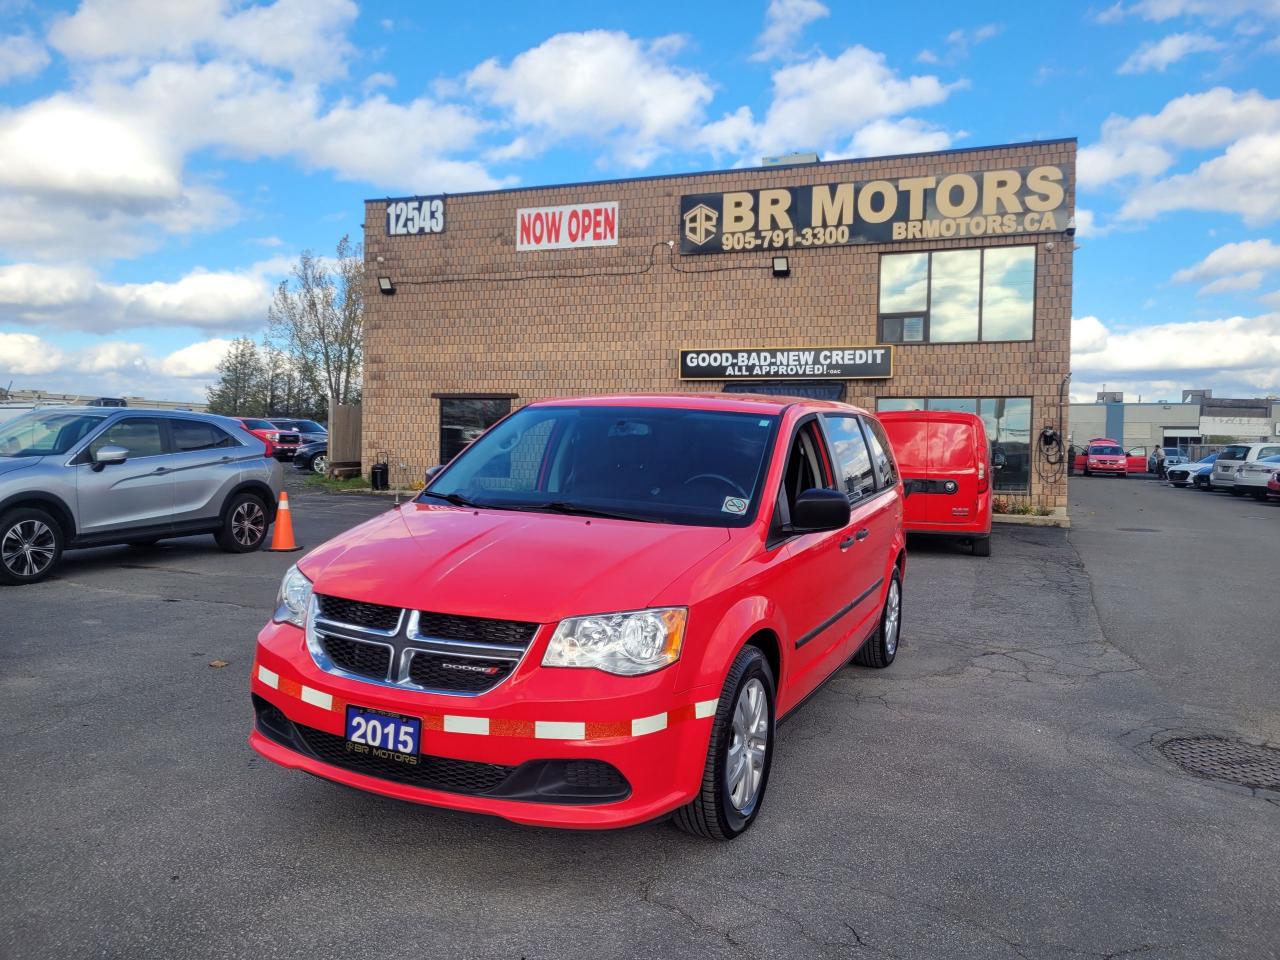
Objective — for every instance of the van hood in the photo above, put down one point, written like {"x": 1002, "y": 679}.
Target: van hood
{"x": 507, "y": 565}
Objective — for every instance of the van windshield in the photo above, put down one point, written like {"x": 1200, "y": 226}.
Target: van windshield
{"x": 696, "y": 467}
{"x": 1106, "y": 450}
{"x": 44, "y": 434}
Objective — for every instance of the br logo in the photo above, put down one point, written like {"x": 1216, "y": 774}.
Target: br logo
{"x": 700, "y": 224}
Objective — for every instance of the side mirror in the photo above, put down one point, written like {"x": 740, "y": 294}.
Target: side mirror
{"x": 819, "y": 509}
{"x": 432, "y": 471}
{"x": 109, "y": 455}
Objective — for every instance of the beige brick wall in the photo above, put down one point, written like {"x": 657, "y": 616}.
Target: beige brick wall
{"x": 473, "y": 315}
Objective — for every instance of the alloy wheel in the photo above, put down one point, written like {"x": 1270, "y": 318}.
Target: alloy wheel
{"x": 892, "y": 613}
{"x": 320, "y": 464}
{"x": 744, "y": 767}
{"x": 248, "y": 523}
{"x": 27, "y": 548}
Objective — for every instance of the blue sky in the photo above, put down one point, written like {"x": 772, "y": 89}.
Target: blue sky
{"x": 162, "y": 163}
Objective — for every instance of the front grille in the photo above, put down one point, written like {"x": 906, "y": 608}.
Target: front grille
{"x": 358, "y": 614}
{"x": 594, "y": 775}
{"x": 431, "y": 773}
{"x": 371, "y": 660}
{"x": 433, "y": 670}
{"x": 476, "y": 629}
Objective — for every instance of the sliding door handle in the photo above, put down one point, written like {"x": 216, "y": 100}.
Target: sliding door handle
{"x": 863, "y": 533}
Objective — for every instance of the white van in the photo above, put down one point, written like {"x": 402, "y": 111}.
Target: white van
{"x": 1232, "y": 455}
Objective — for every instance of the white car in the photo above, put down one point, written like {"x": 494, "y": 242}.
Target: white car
{"x": 1234, "y": 454}
{"x": 1251, "y": 476}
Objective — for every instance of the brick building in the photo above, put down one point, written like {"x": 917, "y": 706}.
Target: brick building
{"x": 939, "y": 280}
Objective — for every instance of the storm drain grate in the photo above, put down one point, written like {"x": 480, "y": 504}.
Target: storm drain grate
{"x": 1231, "y": 760}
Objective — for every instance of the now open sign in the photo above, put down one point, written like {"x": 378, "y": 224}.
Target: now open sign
{"x": 564, "y": 227}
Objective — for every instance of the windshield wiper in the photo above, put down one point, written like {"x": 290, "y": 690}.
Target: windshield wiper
{"x": 457, "y": 499}
{"x": 575, "y": 509}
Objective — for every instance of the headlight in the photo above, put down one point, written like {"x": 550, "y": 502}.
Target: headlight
{"x": 293, "y": 599}
{"x": 630, "y": 643}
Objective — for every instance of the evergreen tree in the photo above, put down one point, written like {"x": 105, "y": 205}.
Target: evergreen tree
{"x": 242, "y": 380}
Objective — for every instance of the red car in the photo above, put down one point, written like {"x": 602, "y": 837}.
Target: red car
{"x": 595, "y": 614}
{"x": 1273, "y": 487}
{"x": 946, "y": 469}
{"x": 281, "y": 444}
{"x": 1103, "y": 456}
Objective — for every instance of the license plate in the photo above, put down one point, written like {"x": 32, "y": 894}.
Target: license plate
{"x": 381, "y": 734}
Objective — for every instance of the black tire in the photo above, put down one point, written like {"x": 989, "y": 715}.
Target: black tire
{"x": 1177, "y": 484}
{"x": 1234, "y": 492}
{"x": 244, "y": 524}
{"x": 1087, "y": 473}
{"x": 30, "y": 545}
{"x": 712, "y": 814}
{"x": 882, "y": 648}
{"x": 982, "y": 546}
{"x": 1259, "y": 494}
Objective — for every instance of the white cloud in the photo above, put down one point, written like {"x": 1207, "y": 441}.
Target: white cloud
{"x": 1159, "y": 55}
{"x": 959, "y": 43}
{"x": 1238, "y": 354}
{"x": 73, "y": 297}
{"x": 601, "y": 86}
{"x": 1214, "y": 11}
{"x": 1242, "y": 281}
{"x": 820, "y": 102}
{"x": 1242, "y": 180}
{"x": 111, "y": 368}
{"x": 1233, "y": 258}
{"x": 784, "y": 21}
{"x": 887, "y": 137}
{"x": 305, "y": 37}
{"x": 1101, "y": 163}
{"x": 21, "y": 56}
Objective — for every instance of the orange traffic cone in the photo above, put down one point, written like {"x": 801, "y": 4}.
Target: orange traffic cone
{"x": 282, "y": 533}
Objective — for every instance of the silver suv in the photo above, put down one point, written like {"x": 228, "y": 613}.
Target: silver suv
{"x": 89, "y": 476}
{"x": 1232, "y": 455}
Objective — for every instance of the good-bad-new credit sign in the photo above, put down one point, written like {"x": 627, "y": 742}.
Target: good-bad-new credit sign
{"x": 564, "y": 227}
{"x": 978, "y": 204}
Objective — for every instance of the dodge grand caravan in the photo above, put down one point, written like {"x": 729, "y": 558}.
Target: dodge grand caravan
{"x": 595, "y": 614}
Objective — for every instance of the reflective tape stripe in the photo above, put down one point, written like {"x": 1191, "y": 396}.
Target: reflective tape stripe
{"x": 269, "y": 678}
{"x": 559, "y": 730}
{"x": 705, "y": 708}
{"x": 479, "y": 725}
{"x": 648, "y": 724}
{"x": 316, "y": 698}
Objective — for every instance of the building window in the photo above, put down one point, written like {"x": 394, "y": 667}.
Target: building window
{"x": 958, "y": 296}
{"x": 462, "y": 419}
{"x": 1008, "y": 423}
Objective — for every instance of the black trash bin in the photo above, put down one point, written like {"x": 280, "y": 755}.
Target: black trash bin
{"x": 379, "y": 477}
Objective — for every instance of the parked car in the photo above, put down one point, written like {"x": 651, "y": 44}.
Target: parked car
{"x": 88, "y": 476}
{"x": 313, "y": 457}
{"x": 1182, "y": 474}
{"x": 946, "y": 466}
{"x": 1103, "y": 457}
{"x": 281, "y": 444}
{"x": 1172, "y": 457}
{"x": 1232, "y": 455}
{"x": 1252, "y": 476}
{"x": 595, "y": 614}
{"x": 1273, "y": 487}
{"x": 308, "y": 431}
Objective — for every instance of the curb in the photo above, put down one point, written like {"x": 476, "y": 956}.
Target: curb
{"x": 1031, "y": 521}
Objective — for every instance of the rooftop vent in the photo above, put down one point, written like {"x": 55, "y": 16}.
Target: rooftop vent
{"x": 788, "y": 159}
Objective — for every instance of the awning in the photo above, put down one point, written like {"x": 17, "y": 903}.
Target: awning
{"x": 809, "y": 389}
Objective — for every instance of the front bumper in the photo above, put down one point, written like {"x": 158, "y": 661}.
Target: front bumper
{"x": 1118, "y": 468}
{"x": 653, "y": 737}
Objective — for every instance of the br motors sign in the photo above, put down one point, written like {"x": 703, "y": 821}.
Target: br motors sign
{"x": 985, "y": 203}
{"x": 788, "y": 363}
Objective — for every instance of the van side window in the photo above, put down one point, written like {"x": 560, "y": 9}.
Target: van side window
{"x": 881, "y": 452}
{"x": 854, "y": 474}
{"x": 806, "y": 469}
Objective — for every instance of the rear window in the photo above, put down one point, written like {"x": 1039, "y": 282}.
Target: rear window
{"x": 1106, "y": 450}
{"x": 259, "y": 424}
{"x": 1235, "y": 452}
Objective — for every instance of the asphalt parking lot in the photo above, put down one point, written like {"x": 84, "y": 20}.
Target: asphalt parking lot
{"x": 996, "y": 793}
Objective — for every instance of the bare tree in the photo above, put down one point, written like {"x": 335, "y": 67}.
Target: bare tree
{"x": 317, "y": 318}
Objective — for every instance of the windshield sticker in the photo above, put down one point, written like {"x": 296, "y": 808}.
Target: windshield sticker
{"x": 734, "y": 505}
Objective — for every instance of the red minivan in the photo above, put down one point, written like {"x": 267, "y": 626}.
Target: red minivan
{"x": 595, "y": 614}
{"x": 946, "y": 471}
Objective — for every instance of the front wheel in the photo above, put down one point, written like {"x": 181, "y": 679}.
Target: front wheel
{"x": 740, "y": 754}
{"x": 879, "y": 651}
{"x": 244, "y": 524}
{"x": 320, "y": 464}
{"x": 30, "y": 545}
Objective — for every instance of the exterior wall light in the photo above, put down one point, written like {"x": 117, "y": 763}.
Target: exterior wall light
{"x": 781, "y": 268}
{"x": 386, "y": 286}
